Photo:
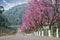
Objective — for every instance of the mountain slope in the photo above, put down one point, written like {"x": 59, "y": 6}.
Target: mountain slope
{"x": 14, "y": 15}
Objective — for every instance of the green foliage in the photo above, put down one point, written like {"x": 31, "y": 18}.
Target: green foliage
{"x": 59, "y": 24}
{"x": 1, "y": 9}
{"x": 3, "y": 21}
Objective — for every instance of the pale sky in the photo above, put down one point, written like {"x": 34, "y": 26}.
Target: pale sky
{"x": 11, "y": 3}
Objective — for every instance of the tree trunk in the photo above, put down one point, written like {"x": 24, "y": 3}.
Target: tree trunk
{"x": 49, "y": 31}
{"x": 42, "y": 33}
{"x": 57, "y": 34}
{"x": 49, "y": 27}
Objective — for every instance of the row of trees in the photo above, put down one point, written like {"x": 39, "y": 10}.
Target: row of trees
{"x": 40, "y": 13}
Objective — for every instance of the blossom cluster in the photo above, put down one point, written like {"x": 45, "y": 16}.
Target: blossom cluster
{"x": 39, "y": 13}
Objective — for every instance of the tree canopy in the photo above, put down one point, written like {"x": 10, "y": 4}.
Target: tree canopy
{"x": 1, "y": 9}
{"x": 39, "y": 14}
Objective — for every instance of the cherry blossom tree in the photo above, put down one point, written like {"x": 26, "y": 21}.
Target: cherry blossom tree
{"x": 39, "y": 14}
{"x": 33, "y": 18}
{"x": 51, "y": 12}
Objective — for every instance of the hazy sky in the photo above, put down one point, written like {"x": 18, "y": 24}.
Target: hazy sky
{"x": 11, "y": 3}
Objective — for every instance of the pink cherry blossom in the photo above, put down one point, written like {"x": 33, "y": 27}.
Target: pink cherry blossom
{"x": 39, "y": 14}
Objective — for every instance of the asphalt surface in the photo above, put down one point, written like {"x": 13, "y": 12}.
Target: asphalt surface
{"x": 20, "y": 36}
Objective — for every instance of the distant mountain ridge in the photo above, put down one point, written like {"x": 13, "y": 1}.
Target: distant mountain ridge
{"x": 14, "y": 15}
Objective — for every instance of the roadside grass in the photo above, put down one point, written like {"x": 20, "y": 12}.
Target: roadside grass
{"x": 6, "y": 34}
{"x": 9, "y": 27}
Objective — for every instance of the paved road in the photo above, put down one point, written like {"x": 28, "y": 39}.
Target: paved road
{"x": 19, "y": 36}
